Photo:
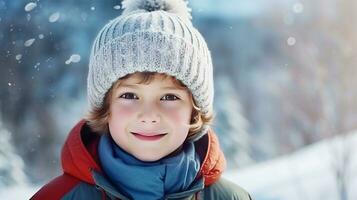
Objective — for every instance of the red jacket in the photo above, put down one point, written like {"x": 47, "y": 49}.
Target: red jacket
{"x": 80, "y": 158}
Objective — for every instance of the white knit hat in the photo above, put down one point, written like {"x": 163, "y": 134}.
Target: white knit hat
{"x": 151, "y": 36}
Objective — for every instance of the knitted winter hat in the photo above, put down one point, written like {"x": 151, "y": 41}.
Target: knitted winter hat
{"x": 153, "y": 36}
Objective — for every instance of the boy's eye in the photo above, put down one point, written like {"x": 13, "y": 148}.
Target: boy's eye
{"x": 128, "y": 95}
{"x": 170, "y": 97}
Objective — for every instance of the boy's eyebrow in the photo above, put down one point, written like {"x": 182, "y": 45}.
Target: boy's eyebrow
{"x": 130, "y": 86}
{"x": 172, "y": 88}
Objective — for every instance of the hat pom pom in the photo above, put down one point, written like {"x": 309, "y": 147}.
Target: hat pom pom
{"x": 178, "y": 7}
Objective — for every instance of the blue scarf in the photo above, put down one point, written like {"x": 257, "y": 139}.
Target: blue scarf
{"x": 148, "y": 180}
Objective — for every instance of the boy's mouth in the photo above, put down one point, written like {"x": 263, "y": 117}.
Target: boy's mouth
{"x": 149, "y": 136}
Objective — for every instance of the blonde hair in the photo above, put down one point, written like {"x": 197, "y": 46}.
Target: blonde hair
{"x": 97, "y": 118}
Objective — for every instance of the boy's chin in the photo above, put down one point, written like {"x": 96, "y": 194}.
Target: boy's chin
{"x": 148, "y": 158}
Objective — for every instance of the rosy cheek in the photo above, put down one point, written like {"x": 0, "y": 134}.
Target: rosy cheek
{"x": 121, "y": 109}
{"x": 178, "y": 114}
{"x": 119, "y": 117}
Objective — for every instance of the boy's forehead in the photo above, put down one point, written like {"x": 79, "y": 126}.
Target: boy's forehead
{"x": 160, "y": 79}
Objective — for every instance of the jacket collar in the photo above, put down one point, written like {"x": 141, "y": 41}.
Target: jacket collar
{"x": 78, "y": 155}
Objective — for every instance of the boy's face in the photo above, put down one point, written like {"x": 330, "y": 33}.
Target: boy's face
{"x": 149, "y": 121}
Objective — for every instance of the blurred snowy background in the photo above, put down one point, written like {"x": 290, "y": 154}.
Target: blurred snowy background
{"x": 285, "y": 90}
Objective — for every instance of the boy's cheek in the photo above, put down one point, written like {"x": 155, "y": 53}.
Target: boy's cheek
{"x": 117, "y": 123}
{"x": 123, "y": 110}
{"x": 180, "y": 115}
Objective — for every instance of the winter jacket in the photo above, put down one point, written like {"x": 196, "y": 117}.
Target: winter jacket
{"x": 83, "y": 177}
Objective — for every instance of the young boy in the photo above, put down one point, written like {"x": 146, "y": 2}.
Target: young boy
{"x": 147, "y": 135}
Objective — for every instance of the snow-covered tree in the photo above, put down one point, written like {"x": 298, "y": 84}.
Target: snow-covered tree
{"x": 230, "y": 124}
{"x": 11, "y": 165}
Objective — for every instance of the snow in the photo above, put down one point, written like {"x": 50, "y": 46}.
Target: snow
{"x": 54, "y": 17}
{"x": 309, "y": 173}
{"x": 298, "y": 8}
{"x": 18, "y": 57}
{"x": 117, "y": 7}
{"x": 29, "y": 42}
{"x": 28, "y": 17}
{"x": 37, "y": 66}
{"x": 231, "y": 120}
{"x": 18, "y": 192}
{"x": 73, "y": 59}
{"x": 13, "y": 181}
{"x": 30, "y": 6}
{"x": 291, "y": 41}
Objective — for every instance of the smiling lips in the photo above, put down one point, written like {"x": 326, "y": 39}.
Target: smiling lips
{"x": 148, "y": 136}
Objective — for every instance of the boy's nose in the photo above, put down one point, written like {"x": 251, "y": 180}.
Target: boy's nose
{"x": 144, "y": 121}
{"x": 149, "y": 117}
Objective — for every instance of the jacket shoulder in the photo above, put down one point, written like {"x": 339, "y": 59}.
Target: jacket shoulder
{"x": 224, "y": 189}
{"x": 56, "y": 188}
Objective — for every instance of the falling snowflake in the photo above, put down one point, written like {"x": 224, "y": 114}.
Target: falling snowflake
{"x": 73, "y": 59}
{"x": 41, "y": 36}
{"x": 37, "y": 66}
{"x": 92, "y": 8}
{"x": 54, "y": 17}
{"x": 29, "y": 42}
{"x": 30, "y": 6}
{"x": 28, "y": 17}
{"x": 18, "y": 57}
{"x": 117, "y": 7}
{"x": 298, "y": 7}
{"x": 291, "y": 41}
